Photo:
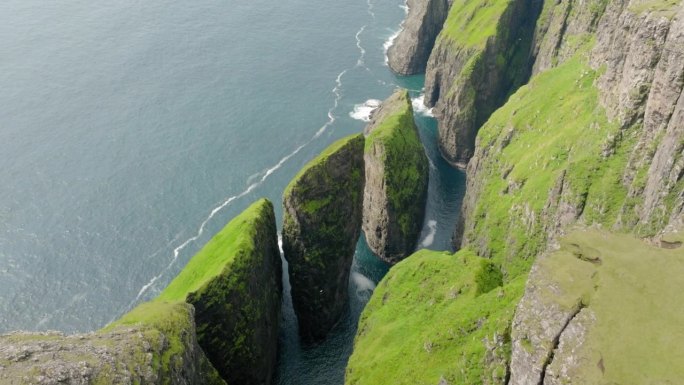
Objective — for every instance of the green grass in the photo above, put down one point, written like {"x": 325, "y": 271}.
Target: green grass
{"x": 405, "y": 162}
{"x": 218, "y": 254}
{"x": 471, "y": 22}
{"x": 551, "y": 126}
{"x": 635, "y": 294}
{"x": 666, "y": 8}
{"x": 426, "y": 321}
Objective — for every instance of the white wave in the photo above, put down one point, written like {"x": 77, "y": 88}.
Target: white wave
{"x": 362, "y": 283}
{"x": 364, "y": 110}
{"x": 280, "y": 243}
{"x": 430, "y": 237}
{"x": 388, "y": 43}
{"x": 370, "y": 9}
{"x": 361, "y": 62}
{"x": 420, "y": 108}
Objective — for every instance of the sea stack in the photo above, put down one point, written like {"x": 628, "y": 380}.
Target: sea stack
{"x": 396, "y": 180}
{"x": 322, "y": 222}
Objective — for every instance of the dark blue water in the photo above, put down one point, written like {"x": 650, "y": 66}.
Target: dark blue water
{"x": 132, "y": 131}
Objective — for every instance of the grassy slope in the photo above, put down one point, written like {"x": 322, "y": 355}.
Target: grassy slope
{"x": 406, "y": 167}
{"x": 630, "y": 326}
{"x": 554, "y": 125}
{"x": 471, "y": 22}
{"x": 427, "y": 321}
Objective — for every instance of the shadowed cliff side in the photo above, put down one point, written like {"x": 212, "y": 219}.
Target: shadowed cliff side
{"x": 321, "y": 226}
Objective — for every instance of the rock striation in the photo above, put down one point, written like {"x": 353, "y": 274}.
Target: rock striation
{"x": 321, "y": 226}
{"x": 396, "y": 180}
{"x": 162, "y": 351}
{"x": 409, "y": 53}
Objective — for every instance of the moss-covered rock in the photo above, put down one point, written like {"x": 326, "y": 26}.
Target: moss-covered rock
{"x": 603, "y": 309}
{"x": 396, "y": 180}
{"x": 235, "y": 285}
{"x": 322, "y": 222}
{"x": 153, "y": 344}
{"x": 436, "y": 318}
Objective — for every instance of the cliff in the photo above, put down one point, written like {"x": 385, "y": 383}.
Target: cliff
{"x": 159, "y": 351}
{"x": 410, "y": 51}
{"x": 234, "y": 284}
{"x": 396, "y": 180}
{"x": 481, "y": 55}
{"x": 321, "y": 226}
{"x": 217, "y": 320}
{"x": 593, "y": 145}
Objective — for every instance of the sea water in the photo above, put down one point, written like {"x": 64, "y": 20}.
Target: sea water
{"x": 132, "y": 131}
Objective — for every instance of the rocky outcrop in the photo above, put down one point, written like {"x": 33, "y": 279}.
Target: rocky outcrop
{"x": 163, "y": 351}
{"x": 481, "y": 56}
{"x": 410, "y": 51}
{"x": 234, "y": 284}
{"x": 396, "y": 180}
{"x": 321, "y": 226}
{"x": 595, "y": 307}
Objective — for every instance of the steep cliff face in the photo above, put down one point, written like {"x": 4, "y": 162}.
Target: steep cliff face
{"x": 234, "y": 284}
{"x": 410, "y": 51}
{"x": 396, "y": 180}
{"x": 321, "y": 226}
{"x": 634, "y": 179}
{"x": 481, "y": 55}
{"x": 162, "y": 351}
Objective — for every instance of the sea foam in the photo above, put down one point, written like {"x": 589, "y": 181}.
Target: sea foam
{"x": 364, "y": 110}
{"x": 430, "y": 237}
{"x": 420, "y": 108}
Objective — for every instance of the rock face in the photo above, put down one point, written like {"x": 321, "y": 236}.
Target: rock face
{"x": 410, "y": 51}
{"x": 592, "y": 309}
{"x": 164, "y": 351}
{"x": 481, "y": 55}
{"x": 396, "y": 180}
{"x": 234, "y": 284}
{"x": 322, "y": 223}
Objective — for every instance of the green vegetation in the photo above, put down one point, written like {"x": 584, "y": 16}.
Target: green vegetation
{"x": 634, "y": 291}
{"x": 666, "y": 8}
{"x": 431, "y": 319}
{"x": 471, "y": 22}
{"x": 551, "y": 135}
{"x": 405, "y": 163}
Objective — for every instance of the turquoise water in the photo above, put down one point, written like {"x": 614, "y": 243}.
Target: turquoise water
{"x": 132, "y": 131}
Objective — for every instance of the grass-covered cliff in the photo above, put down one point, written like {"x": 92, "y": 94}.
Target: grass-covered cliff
{"x": 321, "y": 226}
{"x": 216, "y": 323}
{"x": 396, "y": 180}
{"x": 594, "y": 139}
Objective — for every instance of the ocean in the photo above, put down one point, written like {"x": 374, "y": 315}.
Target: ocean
{"x": 132, "y": 131}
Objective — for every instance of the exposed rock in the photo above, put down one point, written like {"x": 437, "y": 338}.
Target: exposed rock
{"x": 235, "y": 285}
{"x": 165, "y": 351}
{"x": 585, "y": 322}
{"x": 410, "y": 51}
{"x": 481, "y": 56}
{"x": 322, "y": 223}
{"x": 396, "y": 180}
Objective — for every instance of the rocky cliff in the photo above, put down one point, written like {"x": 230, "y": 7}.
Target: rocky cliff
{"x": 410, "y": 51}
{"x": 234, "y": 284}
{"x": 162, "y": 350}
{"x": 216, "y": 323}
{"x": 594, "y": 140}
{"x": 321, "y": 226}
{"x": 481, "y": 55}
{"x": 396, "y": 180}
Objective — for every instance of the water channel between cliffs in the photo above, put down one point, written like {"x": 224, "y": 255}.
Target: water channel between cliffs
{"x": 325, "y": 363}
